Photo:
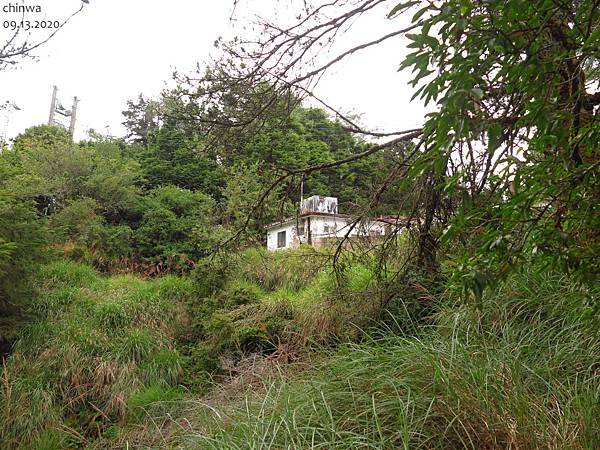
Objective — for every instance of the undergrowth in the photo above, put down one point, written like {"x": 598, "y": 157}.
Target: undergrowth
{"x": 353, "y": 359}
{"x": 521, "y": 373}
{"x": 259, "y": 301}
{"x": 100, "y": 348}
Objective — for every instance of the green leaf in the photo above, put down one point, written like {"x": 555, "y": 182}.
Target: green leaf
{"x": 439, "y": 165}
{"x": 494, "y": 133}
{"x": 420, "y": 13}
{"x": 401, "y": 7}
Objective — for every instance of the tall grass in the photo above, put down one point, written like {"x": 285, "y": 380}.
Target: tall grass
{"x": 97, "y": 343}
{"x": 522, "y": 373}
{"x": 101, "y": 366}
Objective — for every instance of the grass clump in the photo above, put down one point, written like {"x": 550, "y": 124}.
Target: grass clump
{"x": 154, "y": 400}
{"x": 99, "y": 342}
{"x": 521, "y": 373}
{"x": 63, "y": 273}
{"x": 292, "y": 269}
{"x": 111, "y": 314}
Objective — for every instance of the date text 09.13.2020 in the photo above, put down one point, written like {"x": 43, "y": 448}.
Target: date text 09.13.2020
{"x": 30, "y": 24}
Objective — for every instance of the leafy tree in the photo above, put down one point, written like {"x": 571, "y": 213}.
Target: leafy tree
{"x": 114, "y": 182}
{"x": 22, "y": 241}
{"x": 176, "y": 157}
{"x": 142, "y": 119}
{"x": 78, "y": 220}
{"x": 516, "y": 128}
{"x": 241, "y": 207}
{"x": 89, "y": 191}
{"x": 172, "y": 221}
{"x": 53, "y": 167}
{"x": 197, "y": 146}
{"x": 57, "y": 171}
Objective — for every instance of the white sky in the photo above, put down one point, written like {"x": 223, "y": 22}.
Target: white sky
{"x": 116, "y": 49}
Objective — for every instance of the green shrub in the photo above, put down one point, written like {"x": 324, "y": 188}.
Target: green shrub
{"x": 88, "y": 238}
{"x": 23, "y": 238}
{"x": 201, "y": 362}
{"x": 239, "y": 293}
{"x": 171, "y": 219}
{"x": 77, "y": 221}
{"x": 253, "y": 338}
{"x": 210, "y": 275}
{"x": 258, "y": 300}
{"x": 111, "y": 243}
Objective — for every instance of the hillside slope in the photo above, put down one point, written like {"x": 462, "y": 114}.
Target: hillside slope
{"x": 268, "y": 352}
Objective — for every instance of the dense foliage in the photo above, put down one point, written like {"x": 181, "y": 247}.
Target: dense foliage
{"x": 160, "y": 200}
{"x": 100, "y": 349}
{"x": 515, "y": 130}
{"x": 22, "y": 242}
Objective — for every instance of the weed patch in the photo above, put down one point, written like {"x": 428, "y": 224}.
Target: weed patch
{"x": 99, "y": 346}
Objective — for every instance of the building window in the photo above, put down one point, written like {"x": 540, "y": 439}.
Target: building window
{"x": 281, "y": 239}
{"x": 326, "y": 228}
{"x": 301, "y": 231}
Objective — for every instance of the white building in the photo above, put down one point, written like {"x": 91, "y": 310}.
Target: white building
{"x": 319, "y": 223}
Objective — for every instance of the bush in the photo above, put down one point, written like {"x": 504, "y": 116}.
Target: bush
{"x": 256, "y": 301}
{"x": 22, "y": 242}
{"x": 240, "y": 293}
{"x": 170, "y": 216}
{"x": 210, "y": 275}
{"x": 77, "y": 221}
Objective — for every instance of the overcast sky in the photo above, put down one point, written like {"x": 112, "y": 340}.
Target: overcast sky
{"x": 116, "y": 49}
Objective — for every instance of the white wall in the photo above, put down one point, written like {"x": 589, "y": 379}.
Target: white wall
{"x": 291, "y": 238}
{"x": 338, "y": 227}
